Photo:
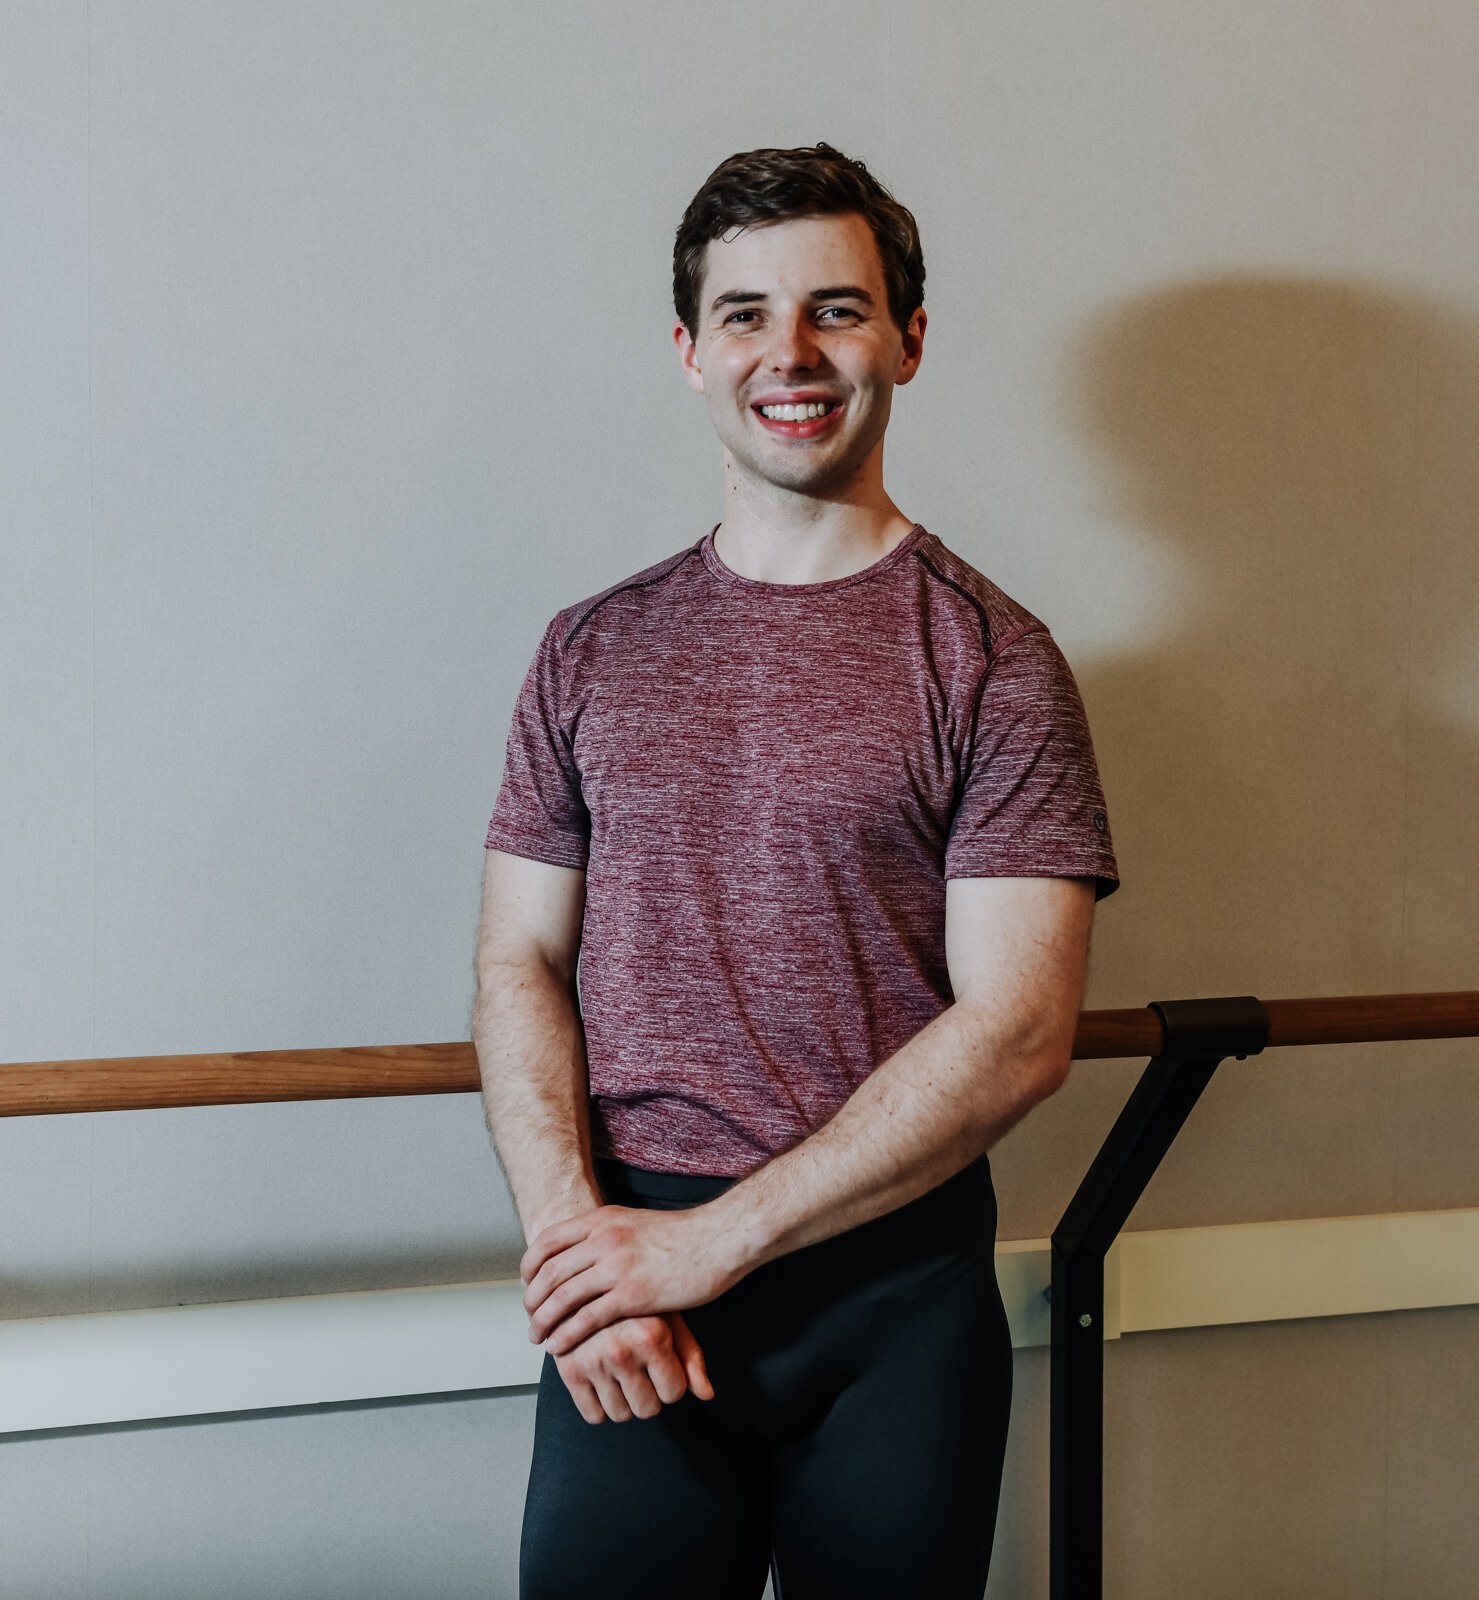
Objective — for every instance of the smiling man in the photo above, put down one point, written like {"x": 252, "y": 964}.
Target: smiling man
{"x": 815, "y": 805}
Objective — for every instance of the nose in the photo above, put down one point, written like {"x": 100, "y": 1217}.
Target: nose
{"x": 793, "y": 342}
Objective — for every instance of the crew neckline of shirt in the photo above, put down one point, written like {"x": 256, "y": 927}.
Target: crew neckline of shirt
{"x": 714, "y": 562}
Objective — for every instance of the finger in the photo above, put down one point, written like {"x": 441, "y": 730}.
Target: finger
{"x": 565, "y": 1302}
{"x": 695, "y": 1368}
{"x": 640, "y": 1395}
{"x": 551, "y": 1240}
{"x": 613, "y": 1401}
{"x": 600, "y": 1313}
{"x": 560, "y": 1268}
{"x": 666, "y": 1373}
{"x": 582, "y": 1392}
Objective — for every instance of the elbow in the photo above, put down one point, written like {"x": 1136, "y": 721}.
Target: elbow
{"x": 1053, "y": 1073}
{"x": 1027, "y": 1064}
{"x": 1048, "y": 1049}
{"x": 1039, "y": 1079}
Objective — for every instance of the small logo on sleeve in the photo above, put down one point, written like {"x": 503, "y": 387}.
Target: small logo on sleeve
{"x": 1101, "y": 822}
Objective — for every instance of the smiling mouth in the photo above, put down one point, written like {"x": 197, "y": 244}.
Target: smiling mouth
{"x": 803, "y": 412}
{"x": 799, "y": 421}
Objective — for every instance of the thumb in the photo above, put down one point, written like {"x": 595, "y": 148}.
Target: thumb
{"x": 691, "y": 1357}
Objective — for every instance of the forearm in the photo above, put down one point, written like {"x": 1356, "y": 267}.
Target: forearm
{"x": 921, "y": 1116}
{"x": 531, "y": 1054}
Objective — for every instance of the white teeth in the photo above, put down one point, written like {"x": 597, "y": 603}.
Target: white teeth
{"x": 795, "y": 413}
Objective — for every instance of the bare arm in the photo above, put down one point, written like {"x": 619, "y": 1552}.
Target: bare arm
{"x": 527, "y": 1031}
{"x": 530, "y": 1045}
{"x": 1017, "y": 950}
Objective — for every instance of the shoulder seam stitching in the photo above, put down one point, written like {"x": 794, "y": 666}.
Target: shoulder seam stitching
{"x": 950, "y": 583}
{"x": 631, "y": 583}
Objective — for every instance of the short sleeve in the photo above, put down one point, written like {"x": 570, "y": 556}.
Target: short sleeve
{"x": 540, "y": 811}
{"x": 1031, "y": 804}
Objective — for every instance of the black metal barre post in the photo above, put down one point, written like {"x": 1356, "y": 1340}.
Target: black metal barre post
{"x": 1199, "y": 1035}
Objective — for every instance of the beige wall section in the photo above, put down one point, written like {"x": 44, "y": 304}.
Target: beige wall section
{"x": 337, "y": 360}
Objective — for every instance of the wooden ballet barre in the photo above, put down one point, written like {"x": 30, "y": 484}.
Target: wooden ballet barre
{"x": 244, "y": 1077}
{"x": 240, "y": 1077}
{"x": 1335, "y": 1019}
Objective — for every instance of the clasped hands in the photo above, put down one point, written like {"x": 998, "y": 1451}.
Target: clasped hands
{"x": 591, "y": 1282}
{"x": 591, "y": 1270}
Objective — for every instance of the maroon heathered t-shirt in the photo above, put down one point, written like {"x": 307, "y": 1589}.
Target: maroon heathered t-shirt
{"x": 767, "y": 785}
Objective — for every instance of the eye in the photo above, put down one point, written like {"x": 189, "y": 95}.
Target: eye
{"x": 733, "y": 314}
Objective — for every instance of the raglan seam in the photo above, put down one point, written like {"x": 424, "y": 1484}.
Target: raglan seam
{"x": 567, "y": 638}
{"x": 960, "y": 589}
{"x": 969, "y": 744}
{"x": 989, "y": 655}
{"x": 672, "y": 565}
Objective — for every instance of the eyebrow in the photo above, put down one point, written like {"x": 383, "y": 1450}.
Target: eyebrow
{"x": 740, "y": 297}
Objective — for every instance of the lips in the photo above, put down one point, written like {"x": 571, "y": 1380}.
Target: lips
{"x": 810, "y": 428}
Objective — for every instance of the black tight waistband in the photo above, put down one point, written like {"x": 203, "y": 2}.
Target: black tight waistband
{"x": 624, "y": 1184}
{"x": 966, "y": 1199}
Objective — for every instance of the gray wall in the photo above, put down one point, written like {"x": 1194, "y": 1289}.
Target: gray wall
{"x": 336, "y": 358}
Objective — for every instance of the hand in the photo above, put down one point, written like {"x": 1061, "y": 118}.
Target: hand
{"x": 590, "y": 1271}
{"x": 634, "y": 1368}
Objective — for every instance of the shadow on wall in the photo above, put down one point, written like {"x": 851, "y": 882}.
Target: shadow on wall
{"x": 1291, "y": 760}
{"x": 1308, "y": 448}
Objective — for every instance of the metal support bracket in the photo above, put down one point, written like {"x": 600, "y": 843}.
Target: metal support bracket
{"x": 1199, "y": 1035}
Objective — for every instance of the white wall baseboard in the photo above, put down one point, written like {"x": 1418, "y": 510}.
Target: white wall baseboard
{"x": 252, "y": 1355}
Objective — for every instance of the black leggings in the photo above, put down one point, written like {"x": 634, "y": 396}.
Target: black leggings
{"x": 854, "y": 1444}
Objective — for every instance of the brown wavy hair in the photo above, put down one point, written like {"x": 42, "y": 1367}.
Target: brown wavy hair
{"x": 758, "y": 186}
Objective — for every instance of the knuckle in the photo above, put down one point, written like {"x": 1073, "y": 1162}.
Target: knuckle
{"x": 596, "y": 1352}
{"x": 583, "y": 1361}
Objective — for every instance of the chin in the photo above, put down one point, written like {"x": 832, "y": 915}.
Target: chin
{"x": 817, "y": 484}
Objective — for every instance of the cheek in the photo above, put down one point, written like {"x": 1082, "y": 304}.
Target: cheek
{"x": 725, "y": 383}
{"x": 727, "y": 364}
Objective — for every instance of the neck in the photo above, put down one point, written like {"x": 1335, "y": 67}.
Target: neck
{"x": 785, "y": 538}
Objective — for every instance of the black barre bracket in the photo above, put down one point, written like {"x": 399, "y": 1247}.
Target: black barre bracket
{"x": 1199, "y": 1035}
{"x": 1227, "y": 1025}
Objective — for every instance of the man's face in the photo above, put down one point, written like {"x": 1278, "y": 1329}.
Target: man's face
{"x": 797, "y": 311}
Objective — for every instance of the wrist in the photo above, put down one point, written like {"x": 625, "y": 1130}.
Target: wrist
{"x": 739, "y": 1234}
{"x": 559, "y": 1208}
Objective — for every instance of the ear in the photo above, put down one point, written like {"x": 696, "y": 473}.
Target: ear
{"x": 688, "y": 357}
{"x": 913, "y": 352}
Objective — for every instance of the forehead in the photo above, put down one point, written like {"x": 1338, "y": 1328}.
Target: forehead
{"x": 799, "y": 253}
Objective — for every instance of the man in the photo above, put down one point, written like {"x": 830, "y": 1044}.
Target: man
{"x": 815, "y": 805}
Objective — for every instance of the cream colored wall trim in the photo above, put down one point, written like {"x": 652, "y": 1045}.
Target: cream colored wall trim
{"x": 250, "y": 1355}
{"x": 1272, "y": 1271}
{"x": 120, "y": 1366}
